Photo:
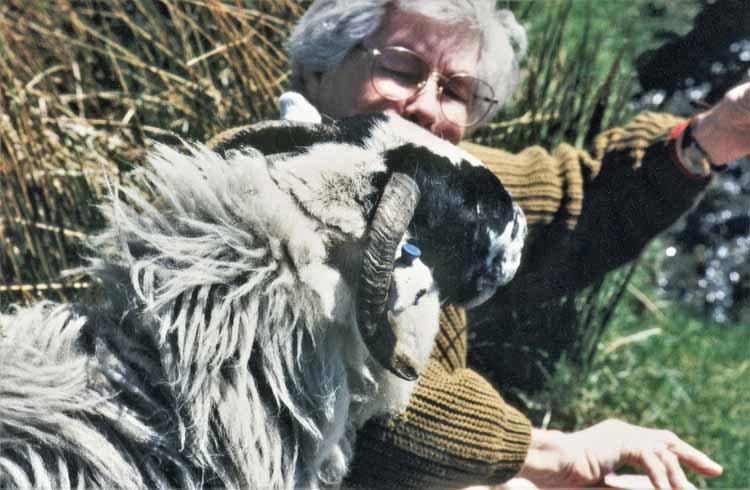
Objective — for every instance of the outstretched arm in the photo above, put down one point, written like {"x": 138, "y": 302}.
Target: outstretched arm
{"x": 457, "y": 432}
{"x": 589, "y": 213}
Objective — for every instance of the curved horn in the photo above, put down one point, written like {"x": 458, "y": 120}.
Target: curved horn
{"x": 390, "y": 222}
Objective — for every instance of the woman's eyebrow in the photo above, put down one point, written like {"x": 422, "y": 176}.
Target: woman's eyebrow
{"x": 448, "y": 68}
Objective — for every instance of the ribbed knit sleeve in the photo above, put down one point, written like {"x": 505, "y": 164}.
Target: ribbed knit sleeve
{"x": 456, "y": 431}
{"x": 589, "y": 213}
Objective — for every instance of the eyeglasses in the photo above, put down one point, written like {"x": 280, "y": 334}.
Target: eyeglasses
{"x": 398, "y": 73}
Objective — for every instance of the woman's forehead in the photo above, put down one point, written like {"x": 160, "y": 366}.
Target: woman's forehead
{"x": 448, "y": 48}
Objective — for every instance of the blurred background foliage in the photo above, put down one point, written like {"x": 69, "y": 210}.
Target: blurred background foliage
{"x": 85, "y": 84}
{"x": 705, "y": 260}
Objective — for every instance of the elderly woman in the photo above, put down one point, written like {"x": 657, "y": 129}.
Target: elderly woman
{"x": 449, "y": 65}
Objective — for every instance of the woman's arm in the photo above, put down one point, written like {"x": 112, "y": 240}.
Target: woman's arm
{"x": 589, "y": 213}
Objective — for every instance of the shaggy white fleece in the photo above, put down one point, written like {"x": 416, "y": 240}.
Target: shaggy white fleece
{"x": 224, "y": 350}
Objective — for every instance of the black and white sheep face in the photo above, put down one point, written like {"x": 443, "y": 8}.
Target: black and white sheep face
{"x": 470, "y": 229}
{"x": 466, "y": 223}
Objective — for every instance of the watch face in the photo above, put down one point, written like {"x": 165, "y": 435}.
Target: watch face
{"x": 695, "y": 160}
{"x": 690, "y": 154}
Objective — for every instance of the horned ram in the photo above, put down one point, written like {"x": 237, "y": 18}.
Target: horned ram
{"x": 259, "y": 302}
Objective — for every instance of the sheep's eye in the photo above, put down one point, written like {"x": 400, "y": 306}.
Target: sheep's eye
{"x": 420, "y": 293}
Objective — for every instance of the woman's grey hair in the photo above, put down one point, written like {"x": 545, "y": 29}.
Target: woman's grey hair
{"x": 330, "y": 29}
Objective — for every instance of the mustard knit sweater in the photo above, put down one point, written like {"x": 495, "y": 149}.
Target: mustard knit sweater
{"x": 587, "y": 214}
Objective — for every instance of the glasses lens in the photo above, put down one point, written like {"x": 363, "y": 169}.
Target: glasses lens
{"x": 397, "y": 73}
{"x": 466, "y": 100}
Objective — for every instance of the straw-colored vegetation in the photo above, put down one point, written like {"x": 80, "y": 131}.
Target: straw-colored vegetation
{"x": 84, "y": 85}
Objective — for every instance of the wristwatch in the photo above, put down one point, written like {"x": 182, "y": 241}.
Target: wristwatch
{"x": 693, "y": 157}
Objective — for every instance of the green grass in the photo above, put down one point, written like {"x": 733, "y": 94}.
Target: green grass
{"x": 614, "y": 23}
{"x": 693, "y": 378}
{"x": 685, "y": 374}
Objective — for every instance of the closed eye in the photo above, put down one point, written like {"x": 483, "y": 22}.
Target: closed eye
{"x": 403, "y": 76}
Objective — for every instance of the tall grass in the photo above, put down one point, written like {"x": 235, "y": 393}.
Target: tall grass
{"x": 573, "y": 89}
{"x": 84, "y": 84}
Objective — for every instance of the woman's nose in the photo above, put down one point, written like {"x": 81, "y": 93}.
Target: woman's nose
{"x": 423, "y": 107}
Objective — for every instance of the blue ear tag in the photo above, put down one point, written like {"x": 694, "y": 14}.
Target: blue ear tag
{"x": 409, "y": 252}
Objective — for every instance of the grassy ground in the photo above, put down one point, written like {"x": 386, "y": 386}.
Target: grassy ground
{"x": 656, "y": 365}
{"x": 693, "y": 378}
{"x": 660, "y": 367}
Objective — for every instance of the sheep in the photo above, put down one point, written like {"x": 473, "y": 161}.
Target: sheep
{"x": 260, "y": 300}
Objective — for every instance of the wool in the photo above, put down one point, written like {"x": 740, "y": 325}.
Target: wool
{"x": 173, "y": 316}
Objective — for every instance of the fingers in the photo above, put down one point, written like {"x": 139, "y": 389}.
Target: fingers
{"x": 664, "y": 470}
{"x": 675, "y": 474}
{"x": 655, "y": 469}
{"x": 628, "y": 482}
{"x": 694, "y": 458}
{"x": 512, "y": 484}
{"x": 599, "y": 450}
{"x": 662, "y": 457}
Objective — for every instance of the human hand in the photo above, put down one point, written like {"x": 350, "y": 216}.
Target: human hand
{"x": 585, "y": 458}
{"x": 724, "y": 130}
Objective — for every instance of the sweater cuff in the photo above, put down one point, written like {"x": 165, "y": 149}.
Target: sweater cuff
{"x": 456, "y": 432}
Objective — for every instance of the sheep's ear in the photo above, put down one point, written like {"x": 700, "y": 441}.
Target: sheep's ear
{"x": 271, "y": 137}
{"x": 294, "y": 106}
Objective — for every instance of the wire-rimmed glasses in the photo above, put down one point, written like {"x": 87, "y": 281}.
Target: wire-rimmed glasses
{"x": 398, "y": 73}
